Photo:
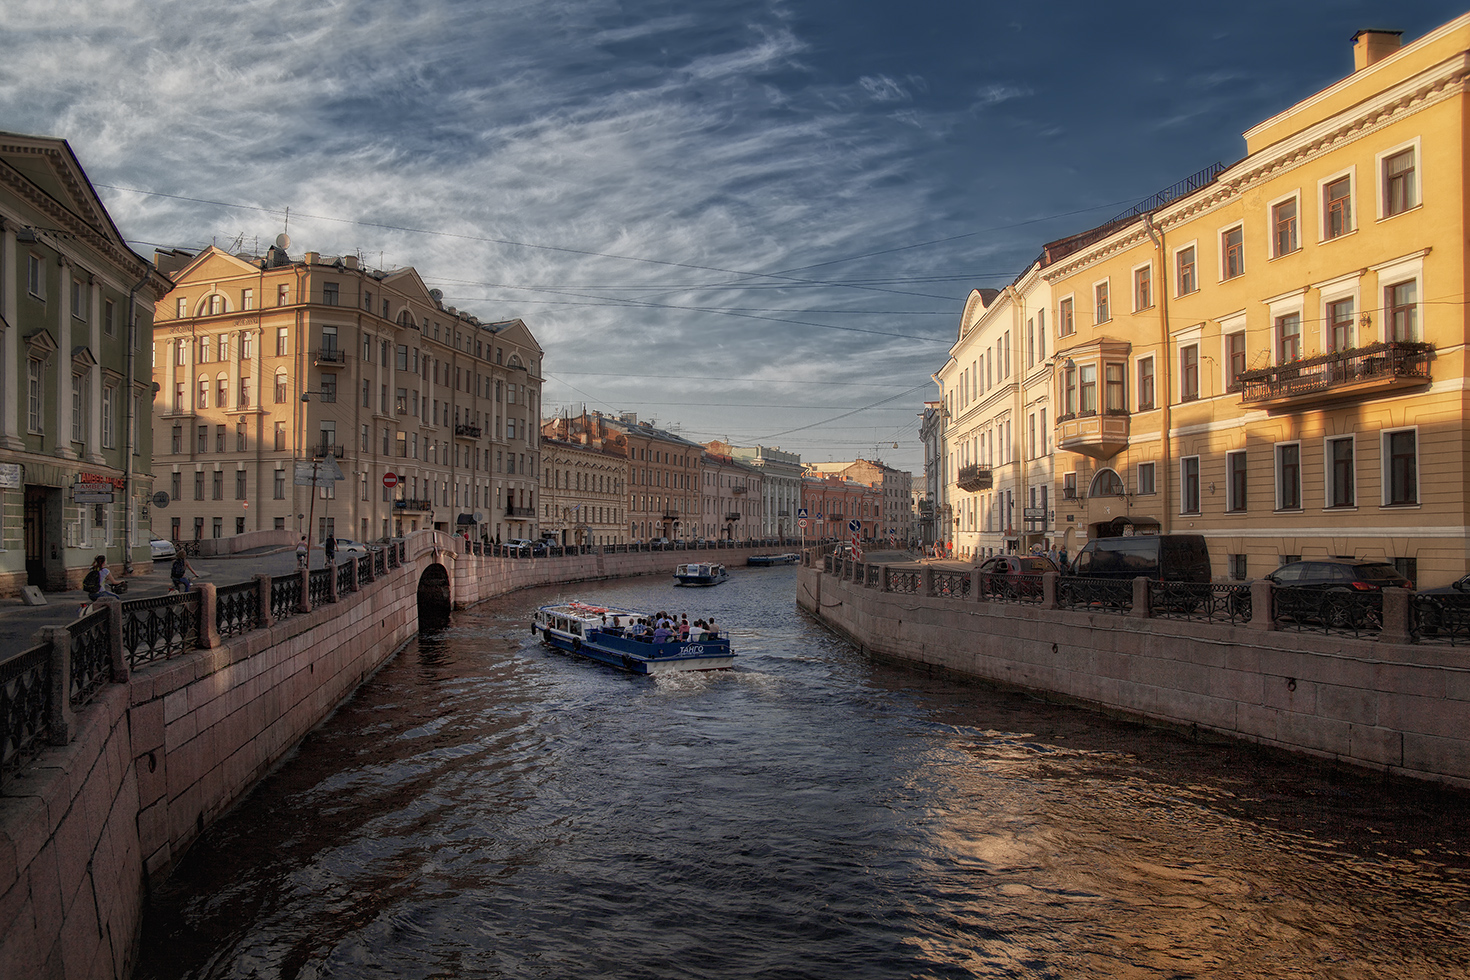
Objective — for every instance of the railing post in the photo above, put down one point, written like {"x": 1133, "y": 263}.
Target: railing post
{"x": 332, "y": 582}
{"x": 926, "y": 581}
{"x": 1141, "y": 607}
{"x": 263, "y": 590}
{"x": 884, "y": 583}
{"x": 1049, "y": 590}
{"x": 303, "y": 605}
{"x": 977, "y": 584}
{"x": 114, "y": 643}
{"x": 208, "y": 615}
{"x": 1395, "y": 616}
{"x": 62, "y": 720}
{"x": 372, "y": 575}
{"x": 1263, "y": 616}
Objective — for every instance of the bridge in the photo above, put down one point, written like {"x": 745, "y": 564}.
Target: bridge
{"x": 124, "y": 734}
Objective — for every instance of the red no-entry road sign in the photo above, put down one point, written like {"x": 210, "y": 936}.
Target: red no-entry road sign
{"x": 390, "y": 480}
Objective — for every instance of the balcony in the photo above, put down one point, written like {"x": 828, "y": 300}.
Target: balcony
{"x": 738, "y": 490}
{"x": 336, "y": 451}
{"x": 413, "y": 503}
{"x": 520, "y": 511}
{"x": 330, "y": 356}
{"x": 975, "y": 478}
{"x": 1099, "y": 436}
{"x": 671, "y": 516}
{"x": 467, "y": 431}
{"x": 1364, "y": 372}
{"x": 732, "y": 516}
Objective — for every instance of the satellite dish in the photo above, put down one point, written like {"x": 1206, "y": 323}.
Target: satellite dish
{"x": 283, "y": 241}
{"x": 436, "y": 294}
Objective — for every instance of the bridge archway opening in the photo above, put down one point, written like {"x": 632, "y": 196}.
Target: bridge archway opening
{"x": 435, "y": 600}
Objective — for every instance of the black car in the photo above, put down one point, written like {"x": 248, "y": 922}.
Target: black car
{"x": 1335, "y": 591}
{"x": 1444, "y": 608}
{"x": 1014, "y": 576}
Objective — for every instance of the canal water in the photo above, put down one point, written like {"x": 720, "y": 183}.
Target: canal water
{"x": 485, "y": 807}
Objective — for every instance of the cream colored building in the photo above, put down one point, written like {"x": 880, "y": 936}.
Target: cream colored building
{"x": 1276, "y": 359}
{"x": 584, "y": 486}
{"x": 267, "y": 361}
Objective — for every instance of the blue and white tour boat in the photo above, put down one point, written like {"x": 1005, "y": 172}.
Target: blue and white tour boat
{"x": 700, "y": 573}
{"x": 766, "y": 561}
{"x": 617, "y": 637}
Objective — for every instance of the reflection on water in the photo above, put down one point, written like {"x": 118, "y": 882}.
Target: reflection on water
{"x": 488, "y": 808}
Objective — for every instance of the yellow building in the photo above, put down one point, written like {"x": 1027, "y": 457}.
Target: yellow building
{"x": 1276, "y": 359}
{"x": 264, "y": 361}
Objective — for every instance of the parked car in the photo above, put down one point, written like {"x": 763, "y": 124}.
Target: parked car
{"x": 1444, "y": 607}
{"x": 347, "y": 548}
{"x": 1016, "y": 575}
{"x": 1165, "y": 557}
{"x": 520, "y": 546}
{"x": 1337, "y": 592}
{"x": 162, "y": 549}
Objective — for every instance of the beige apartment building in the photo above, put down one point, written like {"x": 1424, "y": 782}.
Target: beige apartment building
{"x": 892, "y": 518}
{"x": 268, "y": 364}
{"x": 584, "y": 485}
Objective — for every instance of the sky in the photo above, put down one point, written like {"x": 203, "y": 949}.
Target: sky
{"x": 748, "y": 220}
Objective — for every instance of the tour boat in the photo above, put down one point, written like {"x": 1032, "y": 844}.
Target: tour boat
{"x": 700, "y": 573}
{"x": 603, "y": 633}
{"x": 765, "y": 561}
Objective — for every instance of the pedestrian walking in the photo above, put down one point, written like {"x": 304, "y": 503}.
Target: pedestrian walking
{"x": 301, "y": 553}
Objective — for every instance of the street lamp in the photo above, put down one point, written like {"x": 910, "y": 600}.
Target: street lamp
{"x": 311, "y": 508}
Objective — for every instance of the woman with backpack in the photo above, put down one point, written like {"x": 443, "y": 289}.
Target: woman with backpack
{"x": 181, "y": 571}
{"x": 97, "y": 579}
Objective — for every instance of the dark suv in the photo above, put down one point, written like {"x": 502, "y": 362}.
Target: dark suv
{"x": 1337, "y": 592}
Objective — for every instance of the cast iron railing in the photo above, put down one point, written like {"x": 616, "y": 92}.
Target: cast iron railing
{"x": 952, "y": 585}
{"x": 285, "y": 595}
{"x": 1328, "y": 611}
{"x": 346, "y": 577}
{"x": 1095, "y": 594}
{"x": 1440, "y": 618}
{"x": 237, "y": 608}
{"x": 1022, "y": 587}
{"x": 1386, "y": 361}
{"x": 905, "y": 581}
{"x": 364, "y": 567}
{"x": 1223, "y": 603}
{"x": 25, "y": 699}
{"x": 380, "y": 563}
{"x": 161, "y": 627}
{"x": 91, "y": 658}
{"x": 319, "y": 586}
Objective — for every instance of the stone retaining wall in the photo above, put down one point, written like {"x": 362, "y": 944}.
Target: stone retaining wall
{"x": 1391, "y": 706}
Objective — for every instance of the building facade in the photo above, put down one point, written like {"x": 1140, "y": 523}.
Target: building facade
{"x": 891, "y": 519}
{"x": 584, "y": 482}
{"x": 76, "y": 387}
{"x": 732, "y": 498}
{"x": 271, "y": 366}
{"x": 832, "y": 501}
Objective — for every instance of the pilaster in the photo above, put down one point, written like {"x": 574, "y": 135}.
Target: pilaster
{"x": 63, "y": 364}
{"x": 10, "y": 356}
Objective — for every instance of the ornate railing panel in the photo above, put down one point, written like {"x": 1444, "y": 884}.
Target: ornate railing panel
{"x": 364, "y": 567}
{"x": 319, "y": 586}
{"x": 161, "y": 627}
{"x": 25, "y": 693}
{"x": 1201, "y": 600}
{"x": 1344, "y": 612}
{"x": 380, "y": 562}
{"x": 1023, "y": 587}
{"x": 953, "y": 585}
{"x": 827, "y": 564}
{"x": 285, "y": 595}
{"x": 237, "y": 609}
{"x": 1440, "y": 618}
{"x": 906, "y": 581}
{"x": 346, "y": 577}
{"x": 1114, "y": 595}
{"x": 871, "y": 576}
{"x": 91, "y": 656}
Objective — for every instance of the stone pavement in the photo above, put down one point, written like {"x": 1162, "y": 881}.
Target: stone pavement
{"x": 19, "y": 622}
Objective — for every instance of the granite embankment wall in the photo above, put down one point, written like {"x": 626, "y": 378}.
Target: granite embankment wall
{"x": 1390, "y": 706}
{"x": 159, "y": 754}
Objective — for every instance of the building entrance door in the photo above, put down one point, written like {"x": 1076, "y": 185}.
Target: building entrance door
{"x": 42, "y": 534}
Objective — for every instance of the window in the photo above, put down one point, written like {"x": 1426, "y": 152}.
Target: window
{"x": 1232, "y": 251}
{"x": 1146, "y": 478}
{"x": 1069, "y": 392}
{"x": 1288, "y": 338}
{"x": 1337, "y": 207}
{"x": 1234, "y": 359}
{"x": 1340, "y": 325}
{"x": 216, "y": 304}
{"x": 329, "y": 387}
{"x": 1237, "y": 565}
{"x": 1115, "y": 399}
{"x": 176, "y": 485}
{"x": 78, "y": 407}
{"x": 1145, "y": 384}
{"x": 1100, "y": 299}
{"x": 283, "y": 344}
{"x": 247, "y": 299}
{"x": 36, "y": 279}
{"x": 1235, "y": 482}
{"x": 79, "y": 296}
{"x": 1400, "y": 188}
{"x": 109, "y": 317}
{"x": 402, "y": 359}
{"x": 1188, "y": 278}
{"x": 247, "y": 346}
{"x": 198, "y": 495}
{"x": 202, "y": 438}
{"x": 1289, "y": 476}
{"x": 1401, "y": 462}
{"x": 203, "y": 393}
{"x": 283, "y": 294}
{"x": 280, "y": 387}
{"x": 204, "y": 344}
{"x": 181, "y": 308}
{"x": 219, "y": 439}
{"x": 1400, "y": 302}
{"x": 244, "y": 401}
{"x": 217, "y": 486}
{"x": 34, "y": 388}
{"x": 109, "y": 417}
{"x": 177, "y": 444}
{"x": 1189, "y": 373}
{"x": 222, "y": 392}
{"x": 1284, "y": 237}
{"x": 1087, "y": 377}
{"x": 1189, "y": 485}
{"x": 280, "y": 441}
{"x": 239, "y": 484}
{"x": 1339, "y": 454}
{"x": 1065, "y": 324}
{"x": 329, "y": 293}
{"x": 1143, "y": 283}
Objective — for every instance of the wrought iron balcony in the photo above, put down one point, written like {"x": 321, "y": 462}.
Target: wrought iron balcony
{"x": 973, "y": 478}
{"x": 1099, "y": 436}
{"x": 331, "y": 355}
{"x": 520, "y": 511}
{"x": 467, "y": 431}
{"x": 335, "y": 450}
{"x": 1361, "y": 372}
{"x": 732, "y": 516}
{"x": 413, "y": 503}
{"x": 738, "y": 490}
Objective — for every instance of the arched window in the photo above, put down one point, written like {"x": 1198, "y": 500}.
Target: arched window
{"x": 280, "y": 387}
{"x": 222, "y": 391}
{"x": 216, "y": 304}
{"x": 1106, "y": 483}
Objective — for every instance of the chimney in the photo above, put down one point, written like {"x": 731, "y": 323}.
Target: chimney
{"x": 1371, "y": 47}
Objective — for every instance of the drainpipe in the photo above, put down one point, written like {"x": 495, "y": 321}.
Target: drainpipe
{"x": 1019, "y": 408}
{"x": 130, "y": 443}
{"x": 1166, "y": 389}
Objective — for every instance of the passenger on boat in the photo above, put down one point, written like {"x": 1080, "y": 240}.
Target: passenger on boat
{"x": 683, "y": 627}
{"x": 662, "y": 635}
{"x": 712, "y": 632}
